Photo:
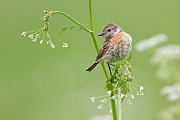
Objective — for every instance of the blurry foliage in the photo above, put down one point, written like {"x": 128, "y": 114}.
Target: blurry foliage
{"x": 166, "y": 59}
{"x": 170, "y": 113}
{"x": 168, "y": 70}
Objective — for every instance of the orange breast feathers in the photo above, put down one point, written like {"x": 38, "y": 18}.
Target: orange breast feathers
{"x": 120, "y": 39}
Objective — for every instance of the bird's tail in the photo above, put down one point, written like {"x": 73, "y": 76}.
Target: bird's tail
{"x": 92, "y": 67}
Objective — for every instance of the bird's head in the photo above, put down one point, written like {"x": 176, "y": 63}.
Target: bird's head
{"x": 110, "y": 30}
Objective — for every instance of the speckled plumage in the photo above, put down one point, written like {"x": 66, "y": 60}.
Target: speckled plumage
{"x": 117, "y": 43}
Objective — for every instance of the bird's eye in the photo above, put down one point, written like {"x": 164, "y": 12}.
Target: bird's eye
{"x": 109, "y": 30}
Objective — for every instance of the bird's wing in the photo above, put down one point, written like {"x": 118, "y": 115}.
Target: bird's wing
{"x": 103, "y": 49}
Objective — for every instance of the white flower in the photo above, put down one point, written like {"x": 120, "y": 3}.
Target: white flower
{"x": 34, "y": 40}
{"x": 93, "y": 99}
{"x": 172, "y": 92}
{"x": 48, "y": 42}
{"x": 122, "y": 95}
{"x": 151, "y": 42}
{"x": 169, "y": 51}
{"x": 109, "y": 92}
{"x": 100, "y": 106}
{"x": 41, "y": 41}
{"x": 24, "y": 33}
{"x": 103, "y": 100}
{"x": 132, "y": 96}
{"x": 113, "y": 97}
{"x": 31, "y": 36}
{"x": 65, "y": 45}
{"x": 37, "y": 36}
{"x": 110, "y": 111}
{"x": 141, "y": 88}
{"x": 52, "y": 45}
{"x": 140, "y": 93}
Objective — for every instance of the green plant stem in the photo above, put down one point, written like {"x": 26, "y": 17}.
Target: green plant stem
{"x": 113, "y": 107}
{"x": 72, "y": 19}
{"x": 119, "y": 104}
{"x": 94, "y": 39}
{"x": 90, "y": 15}
{"x": 113, "y": 104}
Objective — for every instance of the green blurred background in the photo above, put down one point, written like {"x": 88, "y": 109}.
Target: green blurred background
{"x": 40, "y": 83}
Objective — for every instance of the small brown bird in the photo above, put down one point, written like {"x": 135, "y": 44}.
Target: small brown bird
{"x": 116, "y": 45}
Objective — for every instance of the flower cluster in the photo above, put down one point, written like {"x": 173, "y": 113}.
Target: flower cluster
{"x": 169, "y": 51}
{"x": 167, "y": 59}
{"x": 140, "y": 91}
{"x": 120, "y": 86}
{"x": 103, "y": 100}
{"x": 172, "y": 92}
{"x": 170, "y": 113}
{"x": 119, "y": 95}
{"x": 151, "y": 42}
{"x": 43, "y": 33}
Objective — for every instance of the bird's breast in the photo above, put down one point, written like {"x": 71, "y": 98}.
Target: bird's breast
{"x": 120, "y": 45}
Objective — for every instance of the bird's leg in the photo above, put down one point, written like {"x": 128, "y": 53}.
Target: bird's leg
{"x": 113, "y": 76}
{"x": 116, "y": 70}
{"x": 111, "y": 64}
{"x": 109, "y": 69}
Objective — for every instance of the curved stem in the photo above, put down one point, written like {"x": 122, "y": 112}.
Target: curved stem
{"x": 113, "y": 104}
{"x": 72, "y": 19}
{"x": 87, "y": 30}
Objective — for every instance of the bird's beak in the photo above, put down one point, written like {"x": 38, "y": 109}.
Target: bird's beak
{"x": 103, "y": 33}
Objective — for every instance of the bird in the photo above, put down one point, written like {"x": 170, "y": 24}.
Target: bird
{"x": 117, "y": 44}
